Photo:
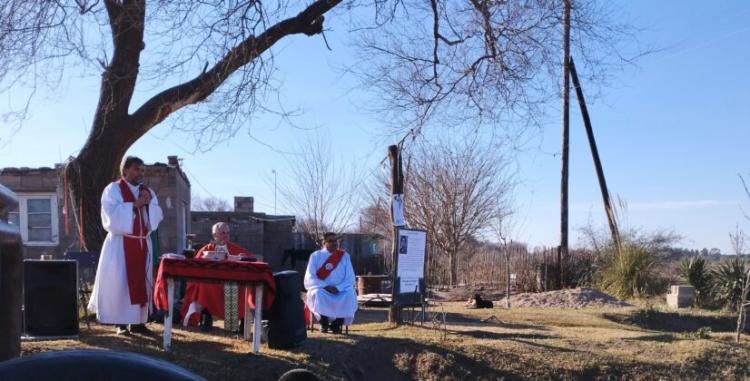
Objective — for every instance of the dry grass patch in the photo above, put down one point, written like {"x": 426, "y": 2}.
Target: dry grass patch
{"x": 524, "y": 343}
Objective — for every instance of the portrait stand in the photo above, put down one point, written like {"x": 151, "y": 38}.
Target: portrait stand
{"x": 409, "y": 286}
{"x": 412, "y": 300}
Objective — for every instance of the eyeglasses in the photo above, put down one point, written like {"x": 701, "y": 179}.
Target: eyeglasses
{"x": 332, "y": 241}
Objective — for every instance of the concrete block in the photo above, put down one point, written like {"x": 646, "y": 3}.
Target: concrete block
{"x": 681, "y": 296}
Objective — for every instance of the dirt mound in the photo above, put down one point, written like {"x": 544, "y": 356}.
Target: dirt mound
{"x": 571, "y": 298}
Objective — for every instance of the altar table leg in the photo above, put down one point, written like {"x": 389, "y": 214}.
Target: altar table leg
{"x": 246, "y": 330}
{"x": 257, "y": 316}
{"x": 168, "y": 316}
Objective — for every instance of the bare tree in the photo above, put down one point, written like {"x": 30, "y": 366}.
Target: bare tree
{"x": 209, "y": 204}
{"x": 321, "y": 189}
{"x": 477, "y": 58}
{"x": 376, "y": 220}
{"x": 453, "y": 191}
{"x": 501, "y": 226}
{"x": 482, "y": 61}
{"x": 216, "y": 51}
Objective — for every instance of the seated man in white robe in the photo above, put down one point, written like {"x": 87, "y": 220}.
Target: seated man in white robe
{"x": 329, "y": 280}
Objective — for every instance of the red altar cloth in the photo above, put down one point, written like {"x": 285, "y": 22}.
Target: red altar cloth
{"x": 205, "y": 270}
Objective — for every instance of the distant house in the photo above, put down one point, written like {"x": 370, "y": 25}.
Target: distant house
{"x": 266, "y": 236}
{"x": 45, "y": 229}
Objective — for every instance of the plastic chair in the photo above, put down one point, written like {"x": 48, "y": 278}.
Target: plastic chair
{"x": 87, "y": 263}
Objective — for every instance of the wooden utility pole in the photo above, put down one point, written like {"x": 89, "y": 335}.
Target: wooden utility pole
{"x": 563, "y": 249}
{"x": 397, "y": 187}
{"x": 595, "y": 155}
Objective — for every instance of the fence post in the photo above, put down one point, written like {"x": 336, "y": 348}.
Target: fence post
{"x": 10, "y": 279}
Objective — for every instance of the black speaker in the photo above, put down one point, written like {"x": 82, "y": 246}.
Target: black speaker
{"x": 286, "y": 324}
{"x": 50, "y": 298}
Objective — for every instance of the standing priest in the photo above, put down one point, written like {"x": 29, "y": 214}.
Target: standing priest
{"x": 329, "y": 280}
{"x": 124, "y": 279}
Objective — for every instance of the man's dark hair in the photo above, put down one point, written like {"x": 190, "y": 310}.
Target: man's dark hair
{"x": 328, "y": 234}
{"x": 128, "y": 162}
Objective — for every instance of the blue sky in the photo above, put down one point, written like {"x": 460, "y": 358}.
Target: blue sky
{"x": 672, "y": 131}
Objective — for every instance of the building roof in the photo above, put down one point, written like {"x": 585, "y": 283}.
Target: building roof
{"x": 58, "y": 166}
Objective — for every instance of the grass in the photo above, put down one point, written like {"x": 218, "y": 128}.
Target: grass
{"x": 522, "y": 343}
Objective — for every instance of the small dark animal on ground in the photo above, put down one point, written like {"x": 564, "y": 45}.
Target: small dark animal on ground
{"x": 476, "y": 301}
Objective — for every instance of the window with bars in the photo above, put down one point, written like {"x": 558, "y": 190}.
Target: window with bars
{"x": 36, "y": 216}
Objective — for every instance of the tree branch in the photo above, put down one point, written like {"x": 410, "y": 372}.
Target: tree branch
{"x": 126, "y": 19}
{"x": 156, "y": 109}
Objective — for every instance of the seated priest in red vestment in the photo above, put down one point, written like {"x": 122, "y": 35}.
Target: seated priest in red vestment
{"x": 208, "y": 298}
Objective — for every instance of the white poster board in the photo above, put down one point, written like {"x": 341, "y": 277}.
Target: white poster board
{"x": 411, "y": 246}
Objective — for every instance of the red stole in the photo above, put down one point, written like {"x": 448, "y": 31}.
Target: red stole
{"x": 330, "y": 264}
{"x": 136, "y": 250}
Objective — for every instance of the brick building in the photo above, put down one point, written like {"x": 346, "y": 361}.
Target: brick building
{"x": 266, "y": 236}
{"x": 43, "y": 224}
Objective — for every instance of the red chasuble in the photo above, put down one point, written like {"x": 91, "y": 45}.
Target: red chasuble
{"x": 136, "y": 250}
{"x": 330, "y": 264}
{"x": 211, "y": 295}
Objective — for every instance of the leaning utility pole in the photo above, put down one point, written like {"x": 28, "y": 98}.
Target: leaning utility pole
{"x": 595, "y": 155}
{"x": 397, "y": 188}
{"x": 563, "y": 249}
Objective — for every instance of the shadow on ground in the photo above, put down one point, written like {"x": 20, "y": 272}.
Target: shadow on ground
{"x": 673, "y": 321}
{"x": 472, "y": 350}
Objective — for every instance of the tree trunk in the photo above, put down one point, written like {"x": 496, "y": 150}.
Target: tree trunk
{"x": 507, "y": 277}
{"x": 454, "y": 268}
{"x": 96, "y": 165}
